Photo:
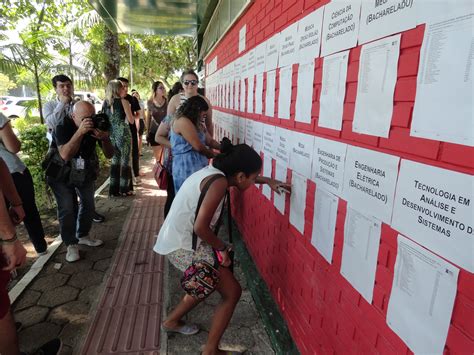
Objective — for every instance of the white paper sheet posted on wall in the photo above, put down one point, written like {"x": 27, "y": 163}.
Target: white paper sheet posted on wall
{"x": 333, "y": 90}
{"x": 298, "y": 201}
{"x": 360, "y": 251}
{"x": 434, "y": 207}
{"x": 324, "y": 222}
{"x": 284, "y": 95}
{"x": 242, "y": 36}
{"x": 309, "y": 36}
{"x": 376, "y": 87}
{"x": 267, "y": 171}
{"x": 328, "y": 164}
{"x": 288, "y": 54}
{"x": 304, "y": 93}
{"x": 340, "y": 26}
{"x": 280, "y": 199}
{"x": 369, "y": 181}
{"x": 301, "y": 155}
{"x": 445, "y": 82}
{"x": 270, "y": 94}
{"x": 385, "y": 17}
{"x": 422, "y": 298}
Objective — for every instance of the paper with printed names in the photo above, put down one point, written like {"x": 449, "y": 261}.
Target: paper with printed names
{"x": 304, "y": 92}
{"x": 259, "y": 93}
{"x": 257, "y": 141}
{"x": 422, "y": 298}
{"x": 376, "y": 86}
{"x": 284, "y": 95}
{"x": 267, "y": 171}
{"x": 242, "y": 95}
{"x": 270, "y": 94}
{"x": 250, "y": 94}
{"x": 279, "y": 199}
{"x": 360, "y": 251}
{"x": 298, "y": 201}
{"x": 445, "y": 80}
{"x": 324, "y": 222}
{"x": 333, "y": 90}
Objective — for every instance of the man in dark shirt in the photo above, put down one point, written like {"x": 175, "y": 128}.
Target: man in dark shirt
{"x": 76, "y": 139}
{"x": 135, "y": 106}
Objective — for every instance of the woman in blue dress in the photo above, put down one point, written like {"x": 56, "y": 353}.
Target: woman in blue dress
{"x": 191, "y": 145}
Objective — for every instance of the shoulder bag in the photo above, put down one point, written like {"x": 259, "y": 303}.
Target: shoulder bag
{"x": 200, "y": 279}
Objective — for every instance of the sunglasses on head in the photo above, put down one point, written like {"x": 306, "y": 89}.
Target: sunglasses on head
{"x": 192, "y": 82}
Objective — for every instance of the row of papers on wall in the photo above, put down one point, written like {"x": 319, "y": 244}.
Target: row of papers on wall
{"x": 443, "y": 107}
{"x": 430, "y": 205}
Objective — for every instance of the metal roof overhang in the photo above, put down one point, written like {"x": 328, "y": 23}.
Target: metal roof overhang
{"x": 155, "y": 17}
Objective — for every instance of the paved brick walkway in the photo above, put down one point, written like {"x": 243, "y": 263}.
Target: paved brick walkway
{"x": 127, "y": 318}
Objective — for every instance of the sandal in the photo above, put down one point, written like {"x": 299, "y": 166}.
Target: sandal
{"x": 186, "y": 329}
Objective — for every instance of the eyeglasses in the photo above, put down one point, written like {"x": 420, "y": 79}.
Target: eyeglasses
{"x": 192, "y": 82}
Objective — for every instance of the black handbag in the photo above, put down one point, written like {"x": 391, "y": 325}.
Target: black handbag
{"x": 54, "y": 166}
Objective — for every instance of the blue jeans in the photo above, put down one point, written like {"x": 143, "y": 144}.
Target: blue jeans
{"x": 74, "y": 221}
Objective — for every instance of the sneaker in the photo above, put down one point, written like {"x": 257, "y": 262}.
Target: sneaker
{"x": 72, "y": 253}
{"x": 90, "y": 242}
{"x": 52, "y": 347}
{"x": 98, "y": 218}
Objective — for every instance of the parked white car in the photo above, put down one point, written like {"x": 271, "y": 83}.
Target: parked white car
{"x": 83, "y": 96}
{"x": 16, "y": 107}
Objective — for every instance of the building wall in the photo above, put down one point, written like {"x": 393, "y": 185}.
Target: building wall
{"x": 323, "y": 311}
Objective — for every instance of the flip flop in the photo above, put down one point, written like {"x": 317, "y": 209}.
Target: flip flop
{"x": 186, "y": 329}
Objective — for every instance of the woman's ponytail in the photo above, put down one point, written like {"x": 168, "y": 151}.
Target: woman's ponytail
{"x": 237, "y": 158}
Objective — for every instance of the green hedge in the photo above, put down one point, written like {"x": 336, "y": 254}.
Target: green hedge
{"x": 34, "y": 147}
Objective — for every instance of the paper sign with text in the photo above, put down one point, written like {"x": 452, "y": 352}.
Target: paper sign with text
{"x": 328, "y": 164}
{"x": 369, "y": 181}
{"x": 434, "y": 207}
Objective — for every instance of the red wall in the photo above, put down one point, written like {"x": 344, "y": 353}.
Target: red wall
{"x": 323, "y": 311}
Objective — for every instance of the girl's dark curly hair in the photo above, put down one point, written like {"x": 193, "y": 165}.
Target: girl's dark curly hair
{"x": 237, "y": 158}
{"x": 192, "y": 108}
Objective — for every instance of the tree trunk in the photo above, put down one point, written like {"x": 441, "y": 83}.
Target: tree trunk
{"x": 38, "y": 92}
{"x": 70, "y": 59}
{"x": 111, "y": 50}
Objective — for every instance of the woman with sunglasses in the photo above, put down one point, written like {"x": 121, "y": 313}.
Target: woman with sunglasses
{"x": 190, "y": 82}
{"x": 157, "y": 107}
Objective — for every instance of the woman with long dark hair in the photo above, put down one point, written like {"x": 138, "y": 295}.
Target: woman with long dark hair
{"x": 191, "y": 145}
{"x": 157, "y": 106}
{"x": 237, "y": 166}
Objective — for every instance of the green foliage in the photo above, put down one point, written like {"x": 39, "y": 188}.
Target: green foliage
{"x": 34, "y": 147}
{"x": 5, "y": 84}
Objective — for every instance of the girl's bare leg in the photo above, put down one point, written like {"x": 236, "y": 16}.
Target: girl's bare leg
{"x": 230, "y": 291}
{"x": 173, "y": 320}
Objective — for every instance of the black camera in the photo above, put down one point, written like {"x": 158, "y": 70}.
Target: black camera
{"x": 101, "y": 122}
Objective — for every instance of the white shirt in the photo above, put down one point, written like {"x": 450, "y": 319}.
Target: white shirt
{"x": 55, "y": 110}
{"x": 177, "y": 229}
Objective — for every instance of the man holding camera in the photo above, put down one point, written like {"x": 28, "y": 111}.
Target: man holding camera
{"x": 57, "y": 109}
{"x": 75, "y": 138}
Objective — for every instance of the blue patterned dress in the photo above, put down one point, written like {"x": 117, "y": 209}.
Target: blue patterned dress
{"x": 186, "y": 161}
